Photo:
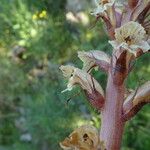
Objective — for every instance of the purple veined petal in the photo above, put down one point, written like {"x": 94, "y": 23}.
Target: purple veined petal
{"x": 93, "y": 58}
{"x": 82, "y": 78}
{"x": 130, "y": 37}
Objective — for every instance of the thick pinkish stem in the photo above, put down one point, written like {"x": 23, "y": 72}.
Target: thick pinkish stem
{"x": 111, "y": 116}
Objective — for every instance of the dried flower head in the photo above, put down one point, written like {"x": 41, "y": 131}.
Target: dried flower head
{"x": 83, "y": 138}
{"x": 130, "y": 37}
{"x": 82, "y": 78}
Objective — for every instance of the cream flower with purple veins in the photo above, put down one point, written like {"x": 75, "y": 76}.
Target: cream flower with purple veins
{"x": 102, "y": 5}
{"x": 91, "y": 58}
{"x": 130, "y": 37}
{"x": 82, "y": 78}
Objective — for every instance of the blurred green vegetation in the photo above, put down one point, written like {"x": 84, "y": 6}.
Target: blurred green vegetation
{"x": 35, "y": 38}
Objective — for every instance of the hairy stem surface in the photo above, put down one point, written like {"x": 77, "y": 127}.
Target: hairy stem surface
{"x": 112, "y": 125}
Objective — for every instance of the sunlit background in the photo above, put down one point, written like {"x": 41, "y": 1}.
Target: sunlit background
{"x": 36, "y": 37}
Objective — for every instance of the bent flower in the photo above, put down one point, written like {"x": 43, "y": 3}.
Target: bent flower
{"x": 82, "y": 78}
{"x": 67, "y": 70}
{"x": 91, "y": 59}
{"x": 102, "y": 5}
{"x": 130, "y": 37}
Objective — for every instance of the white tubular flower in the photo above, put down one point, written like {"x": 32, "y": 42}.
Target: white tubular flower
{"x": 130, "y": 37}
{"x": 82, "y": 78}
{"x": 93, "y": 58}
{"x": 102, "y": 6}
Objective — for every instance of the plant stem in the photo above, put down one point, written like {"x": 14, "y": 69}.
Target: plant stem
{"x": 111, "y": 116}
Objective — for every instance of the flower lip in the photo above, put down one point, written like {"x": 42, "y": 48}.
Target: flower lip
{"x": 131, "y": 32}
{"x": 131, "y": 37}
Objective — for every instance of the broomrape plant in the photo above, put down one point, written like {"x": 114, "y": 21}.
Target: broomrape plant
{"x": 128, "y": 27}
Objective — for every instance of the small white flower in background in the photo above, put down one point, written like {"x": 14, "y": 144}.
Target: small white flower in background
{"x": 91, "y": 58}
{"x": 26, "y": 137}
{"x": 82, "y": 78}
{"x": 102, "y": 5}
{"x": 130, "y": 37}
{"x": 79, "y": 17}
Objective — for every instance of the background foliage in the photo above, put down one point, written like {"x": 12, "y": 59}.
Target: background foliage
{"x": 35, "y": 38}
